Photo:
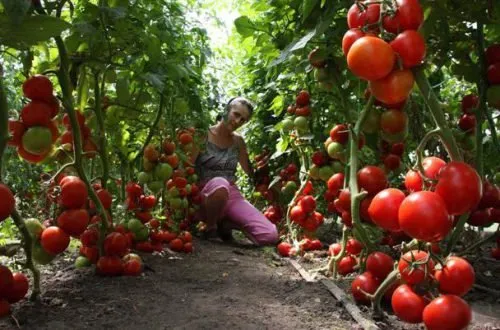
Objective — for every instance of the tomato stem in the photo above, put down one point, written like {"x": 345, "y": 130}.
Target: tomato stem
{"x": 16, "y": 217}
{"x": 481, "y": 110}
{"x": 101, "y": 130}
{"x": 333, "y": 262}
{"x": 455, "y": 235}
{"x": 434, "y": 106}
{"x": 159, "y": 113}
{"x": 420, "y": 152}
{"x": 64, "y": 82}
{"x": 383, "y": 287}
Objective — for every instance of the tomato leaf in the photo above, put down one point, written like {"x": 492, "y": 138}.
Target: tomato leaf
{"x": 307, "y": 8}
{"x": 244, "y": 26}
{"x": 30, "y": 31}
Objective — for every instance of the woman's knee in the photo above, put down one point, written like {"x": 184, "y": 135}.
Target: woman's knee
{"x": 267, "y": 237}
{"x": 220, "y": 194}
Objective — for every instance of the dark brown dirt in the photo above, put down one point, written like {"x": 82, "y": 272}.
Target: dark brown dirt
{"x": 219, "y": 286}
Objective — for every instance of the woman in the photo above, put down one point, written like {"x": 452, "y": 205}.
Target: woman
{"x": 223, "y": 207}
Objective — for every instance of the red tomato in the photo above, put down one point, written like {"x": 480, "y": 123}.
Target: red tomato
{"x": 364, "y": 283}
{"x": 90, "y": 252}
{"x": 176, "y": 245}
{"x": 38, "y": 87}
{"x": 344, "y": 200}
{"x": 54, "y": 240}
{"x": 394, "y": 87}
{"x": 109, "y": 266}
{"x": 89, "y": 237}
{"x": 460, "y": 187}
{"x": 302, "y": 98}
{"x": 132, "y": 265}
{"x": 363, "y": 209}
{"x": 73, "y": 222}
{"x": 105, "y": 197}
{"x": 4, "y": 307}
{"x": 339, "y": 133}
{"x": 334, "y": 249}
{"x": 372, "y": 179}
{"x": 115, "y": 244}
{"x": 409, "y": 16}
{"x": 346, "y": 265}
{"x": 16, "y": 130}
{"x": 19, "y": 288}
{"x": 186, "y": 236}
{"x": 371, "y": 58}
{"x": 447, "y": 312}
{"x": 363, "y": 15}
{"x": 384, "y": 208}
{"x": 467, "y": 122}
{"x": 307, "y": 203}
{"x": 469, "y": 103}
{"x": 349, "y": 38}
{"x": 456, "y": 277}
{"x": 423, "y": 215}
{"x": 392, "y": 162}
{"x": 493, "y": 54}
{"x": 346, "y": 218}
{"x": 36, "y": 113}
{"x": 188, "y": 247}
{"x": 7, "y": 202}
{"x": 297, "y": 214}
{"x": 407, "y": 305}
{"x": 393, "y": 121}
{"x": 490, "y": 197}
{"x": 284, "y": 249}
{"x": 379, "y": 264}
{"x": 410, "y": 46}
{"x": 133, "y": 189}
{"x": 494, "y": 74}
{"x": 29, "y": 157}
{"x": 73, "y": 192}
{"x": 414, "y": 274}
{"x": 6, "y": 278}
{"x": 353, "y": 246}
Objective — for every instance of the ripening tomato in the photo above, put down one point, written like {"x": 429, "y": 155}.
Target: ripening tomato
{"x": 364, "y": 283}
{"x": 447, "y": 312}
{"x": 460, "y": 187}
{"x": 423, "y": 215}
{"x": 411, "y": 272}
{"x": 410, "y": 46}
{"x": 408, "y": 305}
{"x": 371, "y": 58}
{"x": 73, "y": 221}
{"x": 349, "y": 38}
{"x": 456, "y": 277}
{"x": 393, "y": 121}
{"x": 379, "y": 264}
{"x": 394, "y": 87}
{"x": 372, "y": 179}
{"x": 364, "y": 13}
{"x": 384, "y": 208}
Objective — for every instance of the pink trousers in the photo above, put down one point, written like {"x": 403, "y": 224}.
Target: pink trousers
{"x": 242, "y": 214}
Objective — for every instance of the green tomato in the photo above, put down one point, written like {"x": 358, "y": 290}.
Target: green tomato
{"x": 34, "y": 227}
{"x": 181, "y": 106}
{"x": 40, "y": 256}
{"x": 289, "y": 188}
{"x": 185, "y": 203}
{"x": 163, "y": 171}
{"x": 155, "y": 186}
{"x": 371, "y": 124}
{"x": 37, "y": 140}
{"x": 82, "y": 262}
{"x": 287, "y": 124}
{"x": 142, "y": 234}
{"x": 144, "y": 177}
{"x": 335, "y": 150}
{"x": 314, "y": 172}
{"x": 135, "y": 225}
{"x": 176, "y": 203}
{"x": 193, "y": 178}
{"x": 173, "y": 192}
{"x": 301, "y": 123}
{"x": 496, "y": 178}
{"x": 325, "y": 172}
{"x": 337, "y": 166}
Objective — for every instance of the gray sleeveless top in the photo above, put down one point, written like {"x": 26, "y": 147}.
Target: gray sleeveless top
{"x": 215, "y": 161}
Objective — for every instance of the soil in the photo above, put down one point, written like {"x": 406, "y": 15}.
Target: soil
{"x": 218, "y": 286}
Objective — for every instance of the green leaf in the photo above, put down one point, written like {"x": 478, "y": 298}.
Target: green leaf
{"x": 300, "y": 43}
{"x": 154, "y": 79}
{"x": 307, "y": 8}
{"x": 83, "y": 89}
{"x": 244, "y": 26}
{"x": 16, "y": 9}
{"x": 278, "y": 104}
{"x": 30, "y": 31}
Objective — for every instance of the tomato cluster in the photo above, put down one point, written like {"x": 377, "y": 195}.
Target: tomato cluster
{"x": 35, "y": 132}
{"x": 385, "y": 65}
{"x": 298, "y": 114}
{"x": 13, "y": 288}
{"x": 493, "y": 75}
{"x": 286, "y": 249}
{"x": 304, "y": 213}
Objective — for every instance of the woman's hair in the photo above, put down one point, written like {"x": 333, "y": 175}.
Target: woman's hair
{"x": 232, "y": 102}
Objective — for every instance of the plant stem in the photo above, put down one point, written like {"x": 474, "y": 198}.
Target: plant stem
{"x": 159, "y": 112}
{"x": 353, "y": 175}
{"x": 333, "y": 262}
{"x": 18, "y": 221}
{"x": 456, "y": 232}
{"x": 383, "y": 287}
{"x": 101, "y": 132}
{"x": 64, "y": 82}
{"x": 481, "y": 87}
{"x": 434, "y": 106}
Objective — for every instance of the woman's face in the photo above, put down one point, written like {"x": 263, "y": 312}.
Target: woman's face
{"x": 238, "y": 115}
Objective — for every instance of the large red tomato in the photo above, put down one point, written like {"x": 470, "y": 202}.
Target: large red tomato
{"x": 410, "y": 46}
{"x": 460, "y": 187}
{"x": 447, "y": 312}
{"x": 115, "y": 244}
{"x": 38, "y": 87}
{"x": 73, "y": 221}
{"x": 407, "y": 305}
{"x": 349, "y": 38}
{"x": 19, "y": 288}
{"x": 384, "y": 208}
{"x": 379, "y": 264}
{"x": 307, "y": 203}
{"x": 54, "y": 240}
{"x": 73, "y": 192}
{"x": 416, "y": 273}
{"x": 336, "y": 182}
{"x": 363, "y": 14}
{"x": 364, "y": 283}
{"x": 409, "y": 16}
{"x": 394, "y": 87}
{"x": 372, "y": 179}
{"x": 7, "y": 202}
{"x": 423, "y": 215}
{"x": 36, "y": 113}
{"x": 371, "y": 58}
{"x": 109, "y": 265}
{"x": 456, "y": 277}
{"x": 339, "y": 133}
